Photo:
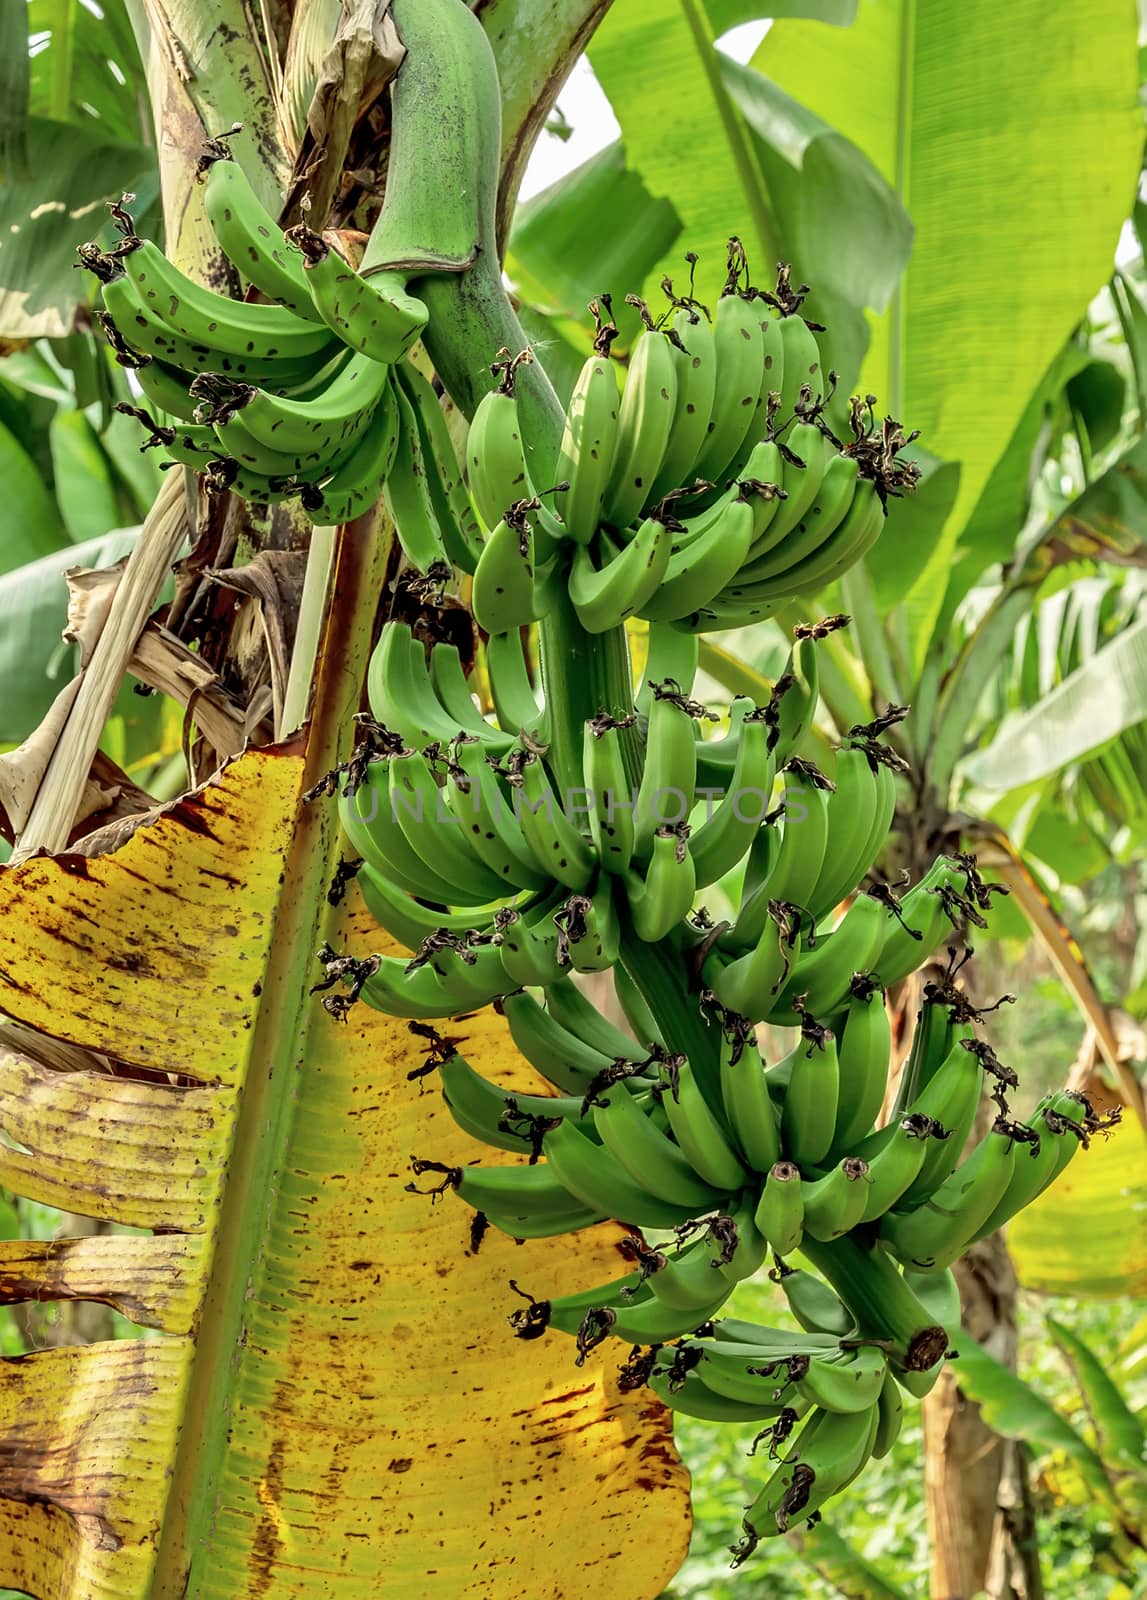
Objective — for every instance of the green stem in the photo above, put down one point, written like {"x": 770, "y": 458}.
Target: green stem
{"x": 660, "y": 973}
{"x": 876, "y": 1294}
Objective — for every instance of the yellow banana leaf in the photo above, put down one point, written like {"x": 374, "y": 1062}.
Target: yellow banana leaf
{"x": 1087, "y": 1235}
{"x": 324, "y": 1398}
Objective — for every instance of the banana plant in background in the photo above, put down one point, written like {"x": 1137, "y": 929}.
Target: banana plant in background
{"x": 721, "y": 482}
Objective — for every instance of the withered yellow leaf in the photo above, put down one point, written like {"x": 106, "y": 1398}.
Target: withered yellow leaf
{"x": 333, "y": 1403}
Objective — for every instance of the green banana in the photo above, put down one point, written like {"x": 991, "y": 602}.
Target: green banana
{"x": 407, "y": 494}
{"x": 433, "y": 831}
{"x": 728, "y": 831}
{"x": 666, "y": 792}
{"x": 749, "y": 1112}
{"x": 864, "y": 1052}
{"x": 835, "y": 1203}
{"x": 831, "y": 1450}
{"x": 357, "y": 483}
{"x": 749, "y": 983}
{"x": 739, "y": 346}
{"x": 890, "y": 1418}
{"x": 597, "y": 1179}
{"x": 932, "y": 1236}
{"x": 809, "y": 1114}
{"x": 604, "y": 597}
{"x": 374, "y": 315}
{"x": 588, "y": 446}
{"x": 822, "y": 972}
{"x": 804, "y": 833}
{"x": 506, "y": 593}
{"x": 701, "y": 567}
{"x": 558, "y": 847}
{"x": 852, "y": 809}
{"x": 495, "y": 458}
{"x": 611, "y": 807}
{"x": 695, "y": 360}
{"x": 801, "y": 363}
{"x": 816, "y": 1307}
{"x": 780, "y": 1211}
{"x": 651, "y": 1160}
{"x": 701, "y": 1135}
{"x": 511, "y": 687}
{"x": 659, "y": 898}
{"x": 645, "y": 420}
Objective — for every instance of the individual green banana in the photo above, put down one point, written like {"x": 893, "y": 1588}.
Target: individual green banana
{"x": 738, "y": 340}
{"x": 461, "y": 533}
{"x": 666, "y": 792}
{"x": 656, "y": 1323}
{"x": 506, "y": 594}
{"x": 516, "y": 1191}
{"x": 804, "y": 833}
{"x": 932, "y": 1236}
{"x": 573, "y": 1010}
{"x": 808, "y": 460}
{"x": 357, "y": 483}
{"x": 894, "y": 1169}
{"x": 749, "y": 1112}
{"x": 604, "y": 597}
{"x": 597, "y": 1179}
{"x": 692, "y": 1398}
{"x": 780, "y": 1211}
{"x": 816, "y": 1307}
{"x": 651, "y": 1160}
{"x": 692, "y": 1277}
{"x": 589, "y": 443}
{"x": 611, "y": 804}
{"x": 851, "y": 807}
{"x": 645, "y": 420}
{"x": 801, "y": 677}
{"x": 727, "y": 833}
{"x": 196, "y": 313}
{"x": 169, "y": 389}
{"x": 830, "y": 1451}
{"x": 835, "y": 1203}
{"x": 407, "y": 494}
{"x": 864, "y": 1052}
{"x": 1037, "y": 1166}
{"x": 458, "y": 977}
{"x": 449, "y": 681}
{"x": 701, "y": 1135}
{"x": 801, "y": 363}
{"x": 495, "y": 458}
{"x": 374, "y": 315}
{"x": 485, "y": 813}
{"x": 511, "y": 687}
{"x": 401, "y": 913}
{"x": 699, "y": 569}
{"x": 809, "y": 1114}
{"x": 400, "y": 690}
{"x": 890, "y": 1417}
{"x": 635, "y": 1009}
{"x": 330, "y": 420}
{"x": 249, "y": 236}
{"x": 433, "y": 831}
{"x": 824, "y": 970}
{"x": 558, "y": 847}
{"x": 950, "y": 1099}
{"x": 558, "y": 1054}
{"x": 695, "y": 358}
{"x": 502, "y": 1118}
{"x": 532, "y": 949}
{"x": 922, "y": 923}
{"x": 660, "y": 897}
{"x": 749, "y": 983}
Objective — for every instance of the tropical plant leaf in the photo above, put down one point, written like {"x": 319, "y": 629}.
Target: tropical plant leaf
{"x": 1099, "y": 1206}
{"x": 1120, "y": 1436}
{"x": 726, "y": 14}
{"x": 32, "y": 526}
{"x": 1097, "y": 396}
{"x": 961, "y": 107}
{"x": 14, "y": 90}
{"x": 334, "y": 1390}
{"x": 85, "y": 484}
{"x": 1102, "y": 698}
{"x": 999, "y": 857}
{"x": 33, "y": 610}
{"x": 596, "y": 231}
{"x": 56, "y": 206}
{"x": 1016, "y": 1410}
{"x": 1106, "y": 521}
{"x": 907, "y": 545}
{"x": 842, "y": 1567}
{"x": 740, "y": 156}
{"x": 86, "y": 68}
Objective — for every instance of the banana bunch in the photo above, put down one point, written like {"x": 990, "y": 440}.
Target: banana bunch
{"x": 710, "y": 488}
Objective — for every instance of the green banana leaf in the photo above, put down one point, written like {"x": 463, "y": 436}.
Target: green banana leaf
{"x": 34, "y": 663}
{"x": 977, "y": 114}
{"x": 14, "y": 88}
{"x": 86, "y": 68}
{"x": 1119, "y": 1434}
{"x": 597, "y": 231}
{"x": 1017, "y": 1411}
{"x": 726, "y": 14}
{"x": 32, "y": 525}
{"x": 56, "y": 206}
{"x": 843, "y": 1568}
{"x": 740, "y": 156}
{"x": 1093, "y": 705}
